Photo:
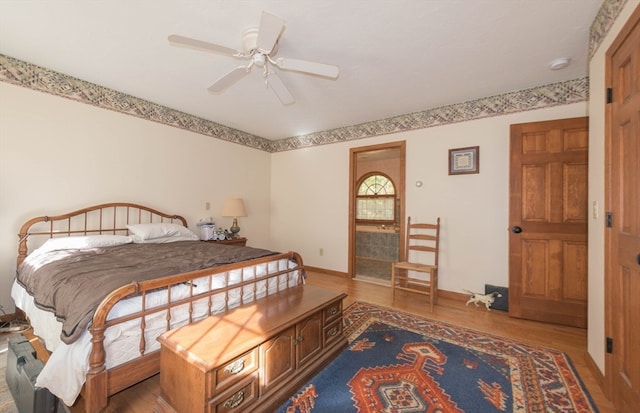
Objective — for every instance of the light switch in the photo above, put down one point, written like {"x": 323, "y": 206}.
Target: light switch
{"x": 595, "y": 212}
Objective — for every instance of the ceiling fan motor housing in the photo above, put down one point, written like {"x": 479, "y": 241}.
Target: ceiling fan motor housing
{"x": 250, "y": 40}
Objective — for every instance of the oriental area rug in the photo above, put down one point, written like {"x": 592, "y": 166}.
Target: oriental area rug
{"x": 398, "y": 362}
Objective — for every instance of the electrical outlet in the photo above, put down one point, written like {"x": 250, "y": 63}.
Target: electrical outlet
{"x": 207, "y": 206}
{"x": 321, "y": 252}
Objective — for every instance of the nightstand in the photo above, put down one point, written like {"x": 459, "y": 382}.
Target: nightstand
{"x": 241, "y": 242}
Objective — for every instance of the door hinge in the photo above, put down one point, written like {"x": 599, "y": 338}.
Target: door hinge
{"x": 608, "y": 219}
{"x": 609, "y": 345}
{"x": 609, "y": 95}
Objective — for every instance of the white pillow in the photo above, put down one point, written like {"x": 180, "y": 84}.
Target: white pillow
{"x": 163, "y": 240}
{"x": 84, "y": 242}
{"x": 161, "y": 232}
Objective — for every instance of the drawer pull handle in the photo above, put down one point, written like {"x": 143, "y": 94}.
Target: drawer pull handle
{"x": 235, "y": 400}
{"x": 333, "y": 310}
{"x": 298, "y": 340}
{"x": 235, "y": 367}
{"x": 333, "y": 331}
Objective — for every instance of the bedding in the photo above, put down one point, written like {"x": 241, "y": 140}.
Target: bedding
{"x": 72, "y": 283}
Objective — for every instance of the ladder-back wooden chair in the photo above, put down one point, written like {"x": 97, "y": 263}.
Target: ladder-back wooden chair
{"x": 421, "y": 256}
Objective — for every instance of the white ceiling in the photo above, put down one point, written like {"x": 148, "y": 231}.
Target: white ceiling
{"x": 395, "y": 57}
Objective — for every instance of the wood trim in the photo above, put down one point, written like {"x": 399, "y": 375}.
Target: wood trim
{"x": 325, "y": 271}
{"x": 594, "y": 369}
{"x": 453, "y": 295}
{"x": 400, "y": 186}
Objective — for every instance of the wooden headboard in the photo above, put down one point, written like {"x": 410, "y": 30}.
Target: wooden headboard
{"x": 111, "y": 218}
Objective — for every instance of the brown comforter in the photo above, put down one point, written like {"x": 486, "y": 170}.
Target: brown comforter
{"x": 72, "y": 283}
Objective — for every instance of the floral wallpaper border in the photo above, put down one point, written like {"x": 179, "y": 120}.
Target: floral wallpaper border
{"x": 605, "y": 18}
{"x": 34, "y": 77}
{"x": 562, "y": 93}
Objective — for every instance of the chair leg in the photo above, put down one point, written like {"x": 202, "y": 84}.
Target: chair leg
{"x": 393, "y": 283}
{"x": 433, "y": 288}
{"x": 431, "y": 297}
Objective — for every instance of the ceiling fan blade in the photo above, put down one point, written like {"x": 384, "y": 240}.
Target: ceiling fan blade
{"x": 280, "y": 89}
{"x": 271, "y": 27}
{"x": 202, "y": 45}
{"x": 229, "y": 79}
{"x": 305, "y": 66}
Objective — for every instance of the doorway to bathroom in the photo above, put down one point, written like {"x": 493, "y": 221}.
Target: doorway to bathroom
{"x": 376, "y": 210}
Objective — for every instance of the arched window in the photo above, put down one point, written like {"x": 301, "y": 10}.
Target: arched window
{"x": 376, "y": 199}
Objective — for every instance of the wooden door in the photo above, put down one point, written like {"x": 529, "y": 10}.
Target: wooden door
{"x": 622, "y": 235}
{"x": 548, "y": 221}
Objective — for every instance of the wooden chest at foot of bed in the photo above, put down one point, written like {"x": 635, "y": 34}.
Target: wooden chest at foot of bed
{"x": 253, "y": 357}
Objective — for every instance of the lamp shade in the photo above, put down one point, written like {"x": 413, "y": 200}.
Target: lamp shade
{"x": 234, "y": 207}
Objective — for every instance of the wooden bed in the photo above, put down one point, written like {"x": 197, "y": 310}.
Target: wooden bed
{"x": 113, "y": 218}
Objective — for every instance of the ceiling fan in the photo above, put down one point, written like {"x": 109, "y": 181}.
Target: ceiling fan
{"x": 260, "y": 46}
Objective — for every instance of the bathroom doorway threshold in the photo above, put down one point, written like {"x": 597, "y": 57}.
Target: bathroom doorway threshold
{"x": 372, "y": 280}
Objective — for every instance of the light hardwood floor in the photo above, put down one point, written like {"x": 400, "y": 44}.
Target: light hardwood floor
{"x": 451, "y": 308}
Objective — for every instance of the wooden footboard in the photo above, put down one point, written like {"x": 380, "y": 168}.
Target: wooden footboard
{"x": 102, "y": 383}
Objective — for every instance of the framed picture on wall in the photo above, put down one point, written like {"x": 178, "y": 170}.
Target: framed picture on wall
{"x": 464, "y": 160}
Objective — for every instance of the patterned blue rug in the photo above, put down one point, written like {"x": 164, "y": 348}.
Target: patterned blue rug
{"x": 399, "y": 363}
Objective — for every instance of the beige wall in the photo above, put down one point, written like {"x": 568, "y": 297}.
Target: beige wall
{"x": 390, "y": 167}
{"x": 57, "y": 155}
{"x": 473, "y": 208}
{"x": 596, "y": 332}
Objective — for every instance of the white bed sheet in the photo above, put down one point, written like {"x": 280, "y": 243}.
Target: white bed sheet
{"x": 65, "y": 372}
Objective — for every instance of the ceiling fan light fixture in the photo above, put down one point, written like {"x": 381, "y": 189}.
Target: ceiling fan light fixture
{"x": 259, "y": 59}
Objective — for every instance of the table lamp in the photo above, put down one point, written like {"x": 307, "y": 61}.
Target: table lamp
{"x": 234, "y": 207}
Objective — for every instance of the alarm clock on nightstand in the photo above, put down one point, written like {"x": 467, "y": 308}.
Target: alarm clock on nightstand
{"x": 219, "y": 235}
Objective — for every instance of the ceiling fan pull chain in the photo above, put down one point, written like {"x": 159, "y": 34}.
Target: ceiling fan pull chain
{"x": 265, "y": 75}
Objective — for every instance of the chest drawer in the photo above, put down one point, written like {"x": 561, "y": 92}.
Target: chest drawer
{"x": 233, "y": 371}
{"x": 332, "y": 312}
{"x": 332, "y": 332}
{"x": 237, "y": 398}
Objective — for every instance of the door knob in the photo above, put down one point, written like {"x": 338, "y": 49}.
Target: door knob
{"x": 516, "y": 229}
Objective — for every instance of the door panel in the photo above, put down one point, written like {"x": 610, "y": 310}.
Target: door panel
{"x": 278, "y": 358}
{"x": 622, "y": 239}
{"x": 309, "y": 334}
{"x": 548, "y": 205}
